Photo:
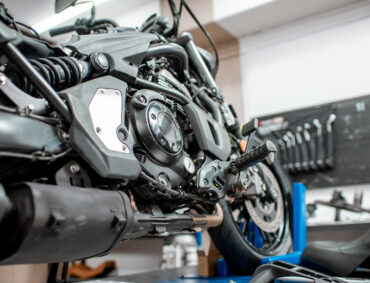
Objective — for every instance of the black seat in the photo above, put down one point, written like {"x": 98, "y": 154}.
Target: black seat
{"x": 337, "y": 258}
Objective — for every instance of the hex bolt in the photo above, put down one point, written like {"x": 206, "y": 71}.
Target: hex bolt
{"x": 125, "y": 148}
{"x": 30, "y": 108}
{"x": 121, "y": 135}
{"x": 2, "y": 79}
{"x": 75, "y": 168}
{"x": 142, "y": 98}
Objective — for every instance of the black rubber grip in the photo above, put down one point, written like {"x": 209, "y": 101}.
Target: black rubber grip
{"x": 297, "y": 158}
{"x": 320, "y": 151}
{"x": 290, "y": 163}
{"x": 304, "y": 155}
{"x": 329, "y": 161}
{"x": 252, "y": 157}
{"x": 61, "y": 30}
{"x": 312, "y": 151}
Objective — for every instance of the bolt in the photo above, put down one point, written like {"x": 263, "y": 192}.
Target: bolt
{"x": 153, "y": 116}
{"x": 205, "y": 182}
{"x": 125, "y": 148}
{"x": 2, "y": 79}
{"x": 121, "y": 135}
{"x": 74, "y": 168}
{"x": 30, "y": 108}
{"x": 65, "y": 136}
{"x": 163, "y": 181}
{"x": 142, "y": 98}
{"x": 98, "y": 130}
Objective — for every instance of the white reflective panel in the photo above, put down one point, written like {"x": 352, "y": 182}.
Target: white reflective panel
{"x": 106, "y": 114}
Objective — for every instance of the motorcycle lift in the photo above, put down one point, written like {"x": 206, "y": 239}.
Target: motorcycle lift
{"x": 277, "y": 269}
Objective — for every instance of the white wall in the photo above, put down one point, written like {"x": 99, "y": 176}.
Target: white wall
{"x": 311, "y": 61}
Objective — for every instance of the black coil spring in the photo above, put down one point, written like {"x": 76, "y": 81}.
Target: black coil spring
{"x": 59, "y": 72}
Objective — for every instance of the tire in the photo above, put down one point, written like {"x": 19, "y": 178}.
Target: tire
{"x": 241, "y": 257}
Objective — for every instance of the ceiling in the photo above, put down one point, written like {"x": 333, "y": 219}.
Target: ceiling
{"x": 243, "y": 22}
{"x": 30, "y": 12}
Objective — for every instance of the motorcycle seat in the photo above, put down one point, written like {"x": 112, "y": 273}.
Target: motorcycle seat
{"x": 337, "y": 258}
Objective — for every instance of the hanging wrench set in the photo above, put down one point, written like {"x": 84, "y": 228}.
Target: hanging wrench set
{"x": 324, "y": 145}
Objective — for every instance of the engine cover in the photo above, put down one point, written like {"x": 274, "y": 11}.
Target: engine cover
{"x": 164, "y": 127}
{"x": 156, "y": 126}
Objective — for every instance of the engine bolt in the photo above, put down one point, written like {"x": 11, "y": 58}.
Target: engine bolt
{"x": 30, "y": 108}
{"x": 205, "y": 181}
{"x": 75, "y": 168}
{"x": 153, "y": 116}
{"x": 2, "y": 79}
{"x": 142, "y": 98}
{"x": 125, "y": 148}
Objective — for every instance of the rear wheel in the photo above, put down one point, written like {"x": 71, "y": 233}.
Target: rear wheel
{"x": 256, "y": 227}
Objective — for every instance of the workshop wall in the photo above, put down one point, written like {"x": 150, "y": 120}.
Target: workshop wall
{"x": 306, "y": 62}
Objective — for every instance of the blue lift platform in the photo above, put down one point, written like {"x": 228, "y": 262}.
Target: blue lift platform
{"x": 299, "y": 244}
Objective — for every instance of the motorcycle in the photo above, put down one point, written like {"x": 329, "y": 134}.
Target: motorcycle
{"x": 122, "y": 133}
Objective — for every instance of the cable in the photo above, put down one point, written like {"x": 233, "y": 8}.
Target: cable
{"x": 205, "y": 33}
{"x": 36, "y": 156}
{"x": 48, "y": 120}
{"x": 30, "y": 28}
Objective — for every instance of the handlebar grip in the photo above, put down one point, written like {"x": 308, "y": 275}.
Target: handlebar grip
{"x": 61, "y": 30}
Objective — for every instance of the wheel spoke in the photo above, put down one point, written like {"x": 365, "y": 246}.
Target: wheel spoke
{"x": 267, "y": 238}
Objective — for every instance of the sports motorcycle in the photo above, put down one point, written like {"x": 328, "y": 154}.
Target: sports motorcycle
{"x": 121, "y": 133}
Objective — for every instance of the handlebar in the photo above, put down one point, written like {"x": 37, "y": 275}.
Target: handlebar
{"x": 61, "y": 30}
{"x": 83, "y": 26}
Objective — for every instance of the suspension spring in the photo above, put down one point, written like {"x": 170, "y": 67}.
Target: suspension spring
{"x": 59, "y": 72}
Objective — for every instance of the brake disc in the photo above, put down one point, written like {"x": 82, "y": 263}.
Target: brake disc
{"x": 266, "y": 214}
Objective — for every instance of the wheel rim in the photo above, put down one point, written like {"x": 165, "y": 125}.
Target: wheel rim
{"x": 265, "y": 243}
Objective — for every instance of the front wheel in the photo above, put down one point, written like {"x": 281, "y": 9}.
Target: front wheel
{"x": 258, "y": 227}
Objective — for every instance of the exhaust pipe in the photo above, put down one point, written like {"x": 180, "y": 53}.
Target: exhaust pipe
{"x": 209, "y": 220}
{"x": 49, "y": 223}
{"x": 59, "y": 223}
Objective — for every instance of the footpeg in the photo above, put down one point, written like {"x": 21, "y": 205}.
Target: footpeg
{"x": 267, "y": 150}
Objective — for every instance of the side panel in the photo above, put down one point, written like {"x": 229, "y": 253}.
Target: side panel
{"x": 211, "y": 136}
{"x": 108, "y": 160}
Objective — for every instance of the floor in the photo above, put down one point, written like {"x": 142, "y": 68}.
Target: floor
{"x": 176, "y": 275}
